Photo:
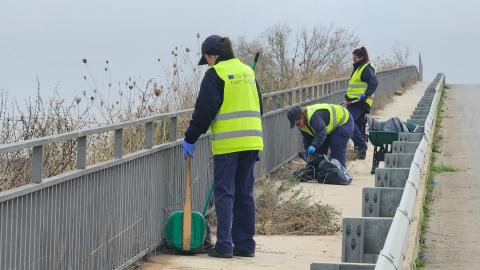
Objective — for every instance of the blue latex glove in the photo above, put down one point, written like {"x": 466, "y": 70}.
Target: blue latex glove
{"x": 363, "y": 98}
{"x": 311, "y": 149}
{"x": 188, "y": 149}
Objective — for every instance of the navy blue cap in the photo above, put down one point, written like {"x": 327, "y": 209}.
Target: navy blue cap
{"x": 210, "y": 46}
{"x": 294, "y": 114}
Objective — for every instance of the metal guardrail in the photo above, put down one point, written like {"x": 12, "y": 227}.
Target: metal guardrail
{"x": 110, "y": 214}
{"x": 392, "y": 255}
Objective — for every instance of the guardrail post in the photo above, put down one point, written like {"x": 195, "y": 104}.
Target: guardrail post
{"x": 391, "y": 177}
{"x": 37, "y": 164}
{"x": 404, "y": 147}
{"x": 282, "y": 100}
{"x": 118, "y": 143}
{"x": 81, "y": 153}
{"x": 352, "y": 240}
{"x": 410, "y": 137}
{"x": 363, "y": 238}
{"x": 290, "y": 98}
{"x": 148, "y": 142}
{"x": 380, "y": 202}
{"x": 394, "y": 160}
{"x": 172, "y": 135}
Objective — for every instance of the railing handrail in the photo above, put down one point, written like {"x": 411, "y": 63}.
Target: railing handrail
{"x": 17, "y": 146}
{"x": 6, "y": 148}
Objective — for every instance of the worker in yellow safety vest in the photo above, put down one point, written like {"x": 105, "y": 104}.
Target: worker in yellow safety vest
{"x": 323, "y": 126}
{"x": 229, "y": 103}
{"x": 361, "y": 89}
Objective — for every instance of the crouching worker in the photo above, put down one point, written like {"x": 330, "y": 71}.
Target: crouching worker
{"x": 324, "y": 126}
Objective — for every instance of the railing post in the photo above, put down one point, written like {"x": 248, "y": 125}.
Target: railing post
{"x": 290, "y": 98}
{"x": 37, "y": 164}
{"x": 81, "y": 153}
{"x": 148, "y": 135}
{"x": 173, "y": 129}
{"x": 297, "y": 96}
{"x": 282, "y": 100}
{"x": 118, "y": 143}
{"x": 265, "y": 104}
{"x": 274, "y": 102}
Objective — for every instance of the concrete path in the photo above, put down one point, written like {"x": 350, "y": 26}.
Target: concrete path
{"x": 453, "y": 234}
{"x": 298, "y": 252}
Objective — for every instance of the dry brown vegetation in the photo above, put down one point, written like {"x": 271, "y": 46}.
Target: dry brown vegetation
{"x": 283, "y": 209}
{"x": 289, "y": 58}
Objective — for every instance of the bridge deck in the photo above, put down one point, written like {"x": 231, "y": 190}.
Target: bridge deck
{"x": 297, "y": 252}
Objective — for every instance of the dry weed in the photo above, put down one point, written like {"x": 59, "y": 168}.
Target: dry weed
{"x": 283, "y": 209}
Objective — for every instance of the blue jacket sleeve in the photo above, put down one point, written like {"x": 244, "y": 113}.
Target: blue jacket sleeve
{"x": 209, "y": 101}
{"x": 368, "y": 76}
{"x": 318, "y": 125}
{"x": 307, "y": 140}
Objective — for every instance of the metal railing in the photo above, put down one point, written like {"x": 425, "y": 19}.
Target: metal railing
{"x": 110, "y": 214}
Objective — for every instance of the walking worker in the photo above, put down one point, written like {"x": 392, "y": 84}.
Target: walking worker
{"x": 229, "y": 103}
{"x": 324, "y": 126}
{"x": 361, "y": 89}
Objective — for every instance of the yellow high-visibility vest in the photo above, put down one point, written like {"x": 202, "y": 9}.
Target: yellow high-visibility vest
{"x": 357, "y": 87}
{"x": 338, "y": 117}
{"x": 238, "y": 124}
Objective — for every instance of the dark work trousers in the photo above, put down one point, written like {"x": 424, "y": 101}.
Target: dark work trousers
{"x": 234, "y": 202}
{"x": 337, "y": 142}
{"x": 359, "y": 136}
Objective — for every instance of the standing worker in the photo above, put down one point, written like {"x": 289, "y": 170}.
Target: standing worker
{"x": 229, "y": 102}
{"x": 324, "y": 126}
{"x": 361, "y": 89}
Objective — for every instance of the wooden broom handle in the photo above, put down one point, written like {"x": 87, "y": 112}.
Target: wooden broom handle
{"x": 187, "y": 207}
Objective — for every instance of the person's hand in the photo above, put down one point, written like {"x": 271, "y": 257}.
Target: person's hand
{"x": 363, "y": 98}
{"x": 188, "y": 149}
{"x": 311, "y": 149}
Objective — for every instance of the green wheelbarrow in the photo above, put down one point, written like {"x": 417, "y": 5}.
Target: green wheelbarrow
{"x": 382, "y": 143}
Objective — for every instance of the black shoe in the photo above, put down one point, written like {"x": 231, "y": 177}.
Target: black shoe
{"x": 361, "y": 154}
{"x": 240, "y": 253}
{"x": 213, "y": 253}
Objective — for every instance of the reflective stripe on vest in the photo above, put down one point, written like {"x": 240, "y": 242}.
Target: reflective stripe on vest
{"x": 357, "y": 87}
{"x": 232, "y": 115}
{"x": 335, "y": 112}
{"x": 235, "y": 134}
{"x": 238, "y": 124}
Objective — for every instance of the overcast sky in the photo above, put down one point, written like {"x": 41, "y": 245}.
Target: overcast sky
{"x": 49, "y": 38}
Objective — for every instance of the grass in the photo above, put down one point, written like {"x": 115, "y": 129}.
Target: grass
{"x": 443, "y": 169}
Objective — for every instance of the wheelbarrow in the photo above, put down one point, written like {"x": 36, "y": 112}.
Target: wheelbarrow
{"x": 382, "y": 143}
